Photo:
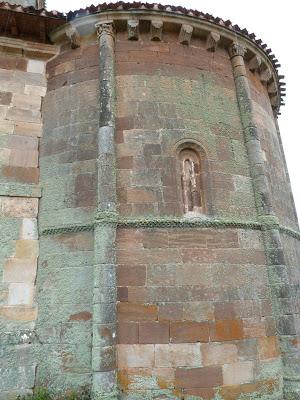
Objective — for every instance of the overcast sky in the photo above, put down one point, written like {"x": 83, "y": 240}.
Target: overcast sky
{"x": 276, "y": 23}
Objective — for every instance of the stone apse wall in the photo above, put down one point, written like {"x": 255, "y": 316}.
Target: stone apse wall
{"x": 135, "y": 298}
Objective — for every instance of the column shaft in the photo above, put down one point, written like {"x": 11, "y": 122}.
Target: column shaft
{"x": 104, "y": 292}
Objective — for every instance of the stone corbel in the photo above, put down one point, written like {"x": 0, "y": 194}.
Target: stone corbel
{"x": 73, "y": 36}
{"x": 254, "y": 63}
{"x": 133, "y": 29}
{"x": 272, "y": 88}
{"x": 212, "y": 41}
{"x": 40, "y": 4}
{"x": 266, "y": 75}
{"x": 274, "y": 100}
{"x": 156, "y": 30}
{"x": 185, "y": 35}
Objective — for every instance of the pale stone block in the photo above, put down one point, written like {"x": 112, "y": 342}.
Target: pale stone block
{"x": 238, "y": 373}
{"x": 27, "y": 248}
{"x": 4, "y": 156}
{"x": 24, "y": 158}
{"x": 22, "y": 142}
{"x": 20, "y": 293}
{"x": 28, "y": 129}
{"x": 26, "y": 102}
{"x": 18, "y": 313}
{"x": 218, "y": 353}
{"x": 18, "y": 207}
{"x": 36, "y": 66}
{"x": 29, "y": 229}
{"x": 7, "y": 127}
{"x": 135, "y": 355}
{"x": 12, "y": 86}
{"x": 18, "y": 114}
{"x": 3, "y": 111}
{"x": 178, "y": 355}
{"x": 33, "y": 90}
{"x": 17, "y": 270}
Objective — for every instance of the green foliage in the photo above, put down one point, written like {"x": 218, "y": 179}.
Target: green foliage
{"x": 44, "y": 394}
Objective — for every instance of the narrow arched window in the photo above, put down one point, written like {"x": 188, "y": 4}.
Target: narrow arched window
{"x": 191, "y": 186}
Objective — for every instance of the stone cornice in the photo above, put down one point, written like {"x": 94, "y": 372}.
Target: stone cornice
{"x": 259, "y": 58}
{"x": 27, "y": 48}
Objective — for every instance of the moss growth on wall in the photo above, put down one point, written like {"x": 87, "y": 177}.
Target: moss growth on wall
{"x": 44, "y": 394}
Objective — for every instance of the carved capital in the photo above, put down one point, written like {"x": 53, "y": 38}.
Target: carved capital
{"x": 133, "y": 29}
{"x": 212, "y": 41}
{"x": 156, "y": 30}
{"x": 185, "y": 35}
{"x": 237, "y": 49}
{"x": 105, "y": 28}
{"x": 255, "y": 63}
{"x": 73, "y": 36}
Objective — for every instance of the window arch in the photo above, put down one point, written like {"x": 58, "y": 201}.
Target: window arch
{"x": 191, "y": 182}
{"x": 194, "y": 183}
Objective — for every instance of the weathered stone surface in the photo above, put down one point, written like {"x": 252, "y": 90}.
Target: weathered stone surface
{"x": 183, "y": 305}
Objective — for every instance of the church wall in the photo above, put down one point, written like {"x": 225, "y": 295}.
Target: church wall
{"x": 168, "y": 93}
{"x": 187, "y": 307}
{"x": 23, "y": 86}
{"x": 206, "y": 307}
{"x": 68, "y": 176}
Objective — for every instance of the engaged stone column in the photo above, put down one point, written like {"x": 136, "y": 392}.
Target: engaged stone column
{"x": 285, "y": 322}
{"x": 260, "y": 182}
{"x": 104, "y": 303}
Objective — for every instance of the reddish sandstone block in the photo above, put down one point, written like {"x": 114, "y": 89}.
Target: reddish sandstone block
{"x": 204, "y": 394}
{"x": 155, "y": 238}
{"x": 160, "y": 275}
{"x": 268, "y": 347}
{"x": 20, "y": 174}
{"x": 140, "y": 196}
{"x": 122, "y": 294}
{"x": 227, "y": 330}
{"x": 170, "y": 311}
{"x": 125, "y": 162}
{"x": 224, "y": 311}
{"x": 129, "y": 238}
{"x": 198, "y": 311}
{"x": 254, "y": 327}
{"x": 128, "y": 333}
{"x": 131, "y": 275}
{"x": 125, "y": 123}
{"x": 189, "y": 332}
{"x": 138, "y": 294}
{"x": 206, "y": 377}
{"x": 154, "y": 332}
{"x": 137, "y": 312}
